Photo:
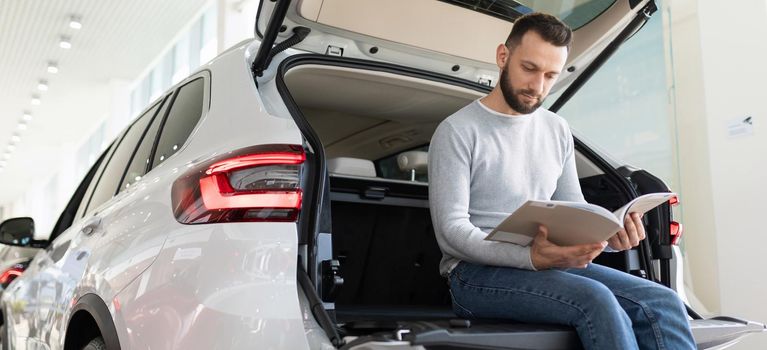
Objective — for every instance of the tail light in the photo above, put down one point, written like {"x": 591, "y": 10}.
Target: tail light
{"x": 10, "y": 274}
{"x": 676, "y": 228}
{"x": 259, "y": 183}
{"x": 676, "y": 232}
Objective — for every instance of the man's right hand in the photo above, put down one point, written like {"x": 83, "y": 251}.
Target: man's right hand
{"x": 546, "y": 255}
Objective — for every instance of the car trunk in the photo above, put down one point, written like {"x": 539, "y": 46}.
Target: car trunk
{"x": 379, "y": 229}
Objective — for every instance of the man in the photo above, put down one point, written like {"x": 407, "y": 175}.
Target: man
{"x": 490, "y": 157}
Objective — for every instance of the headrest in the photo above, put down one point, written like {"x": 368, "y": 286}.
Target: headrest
{"x": 418, "y": 160}
{"x": 351, "y": 166}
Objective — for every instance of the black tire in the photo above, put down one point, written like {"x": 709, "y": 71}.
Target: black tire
{"x": 96, "y": 344}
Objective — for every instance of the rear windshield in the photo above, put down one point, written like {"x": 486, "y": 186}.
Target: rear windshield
{"x": 576, "y": 13}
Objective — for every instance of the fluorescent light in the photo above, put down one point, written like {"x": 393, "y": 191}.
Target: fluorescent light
{"x": 16, "y": 138}
{"x": 26, "y": 116}
{"x": 74, "y": 22}
{"x": 65, "y": 42}
{"x": 53, "y": 68}
{"x": 42, "y": 85}
{"x": 21, "y": 126}
{"x": 35, "y": 100}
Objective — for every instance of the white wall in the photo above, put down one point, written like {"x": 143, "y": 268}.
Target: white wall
{"x": 719, "y": 74}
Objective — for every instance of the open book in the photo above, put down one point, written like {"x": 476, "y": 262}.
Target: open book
{"x": 570, "y": 223}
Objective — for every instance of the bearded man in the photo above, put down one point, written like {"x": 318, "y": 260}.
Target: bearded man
{"x": 488, "y": 159}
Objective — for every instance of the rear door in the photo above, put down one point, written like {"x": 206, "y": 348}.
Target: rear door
{"x": 452, "y": 37}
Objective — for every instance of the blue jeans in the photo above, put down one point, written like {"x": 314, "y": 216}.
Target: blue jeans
{"x": 608, "y": 308}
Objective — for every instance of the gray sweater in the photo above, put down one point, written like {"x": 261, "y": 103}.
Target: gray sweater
{"x": 483, "y": 165}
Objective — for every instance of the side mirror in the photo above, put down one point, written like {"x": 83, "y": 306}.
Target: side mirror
{"x": 17, "y": 232}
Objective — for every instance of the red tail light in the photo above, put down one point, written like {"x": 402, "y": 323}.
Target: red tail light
{"x": 673, "y": 201}
{"x": 676, "y": 232}
{"x": 10, "y": 274}
{"x": 259, "y": 183}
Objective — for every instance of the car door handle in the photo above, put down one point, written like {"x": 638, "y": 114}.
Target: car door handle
{"x": 91, "y": 225}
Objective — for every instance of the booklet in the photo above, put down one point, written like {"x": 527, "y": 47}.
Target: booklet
{"x": 570, "y": 223}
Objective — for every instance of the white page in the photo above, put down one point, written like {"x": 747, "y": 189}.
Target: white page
{"x": 643, "y": 204}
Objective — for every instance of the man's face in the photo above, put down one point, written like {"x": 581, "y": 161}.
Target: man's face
{"x": 530, "y": 71}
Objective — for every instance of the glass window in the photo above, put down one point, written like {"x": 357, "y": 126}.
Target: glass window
{"x": 624, "y": 108}
{"x": 182, "y": 118}
{"x": 389, "y": 168}
{"x": 181, "y": 59}
{"x": 112, "y": 175}
{"x": 576, "y": 13}
{"x": 87, "y": 195}
{"x": 69, "y": 214}
{"x": 208, "y": 35}
{"x": 141, "y": 159}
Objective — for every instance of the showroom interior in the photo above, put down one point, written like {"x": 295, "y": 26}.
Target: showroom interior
{"x": 682, "y": 99}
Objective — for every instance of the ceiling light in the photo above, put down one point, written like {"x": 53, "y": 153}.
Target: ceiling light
{"x": 6, "y": 155}
{"x": 22, "y": 126}
{"x": 65, "y": 42}
{"x": 26, "y": 116}
{"x": 42, "y": 85}
{"x": 53, "y": 68}
{"x": 74, "y": 22}
{"x": 11, "y": 148}
{"x": 3, "y": 163}
{"x": 16, "y": 138}
{"x": 35, "y": 100}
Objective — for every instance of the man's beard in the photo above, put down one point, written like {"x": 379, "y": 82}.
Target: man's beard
{"x": 511, "y": 95}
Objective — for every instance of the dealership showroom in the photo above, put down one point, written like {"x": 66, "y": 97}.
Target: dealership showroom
{"x": 383, "y": 174}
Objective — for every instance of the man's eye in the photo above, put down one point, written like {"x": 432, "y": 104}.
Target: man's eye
{"x": 526, "y": 68}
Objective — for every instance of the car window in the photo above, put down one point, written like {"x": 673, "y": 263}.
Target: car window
{"x": 389, "y": 169}
{"x": 111, "y": 177}
{"x": 184, "y": 114}
{"x": 575, "y": 13}
{"x": 92, "y": 184}
{"x": 68, "y": 215}
{"x": 142, "y": 157}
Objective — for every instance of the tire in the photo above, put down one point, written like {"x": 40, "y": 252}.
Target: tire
{"x": 96, "y": 344}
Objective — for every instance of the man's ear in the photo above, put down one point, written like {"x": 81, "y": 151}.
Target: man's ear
{"x": 501, "y": 55}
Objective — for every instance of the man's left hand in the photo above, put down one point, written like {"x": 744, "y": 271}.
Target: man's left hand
{"x": 630, "y": 236}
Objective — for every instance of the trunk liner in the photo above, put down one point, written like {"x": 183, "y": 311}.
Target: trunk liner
{"x": 488, "y": 334}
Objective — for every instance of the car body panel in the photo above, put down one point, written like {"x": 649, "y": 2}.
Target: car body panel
{"x": 137, "y": 227}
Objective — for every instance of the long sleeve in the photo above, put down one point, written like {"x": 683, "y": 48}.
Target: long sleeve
{"x": 568, "y": 186}
{"x": 450, "y": 158}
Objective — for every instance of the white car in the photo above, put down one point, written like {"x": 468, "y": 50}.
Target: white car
{"x": 277, "y": 198}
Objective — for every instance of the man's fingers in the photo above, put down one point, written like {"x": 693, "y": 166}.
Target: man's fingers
{"x": 640, "y": 226}
{"x": 635, "y": 229}
{"x": 623, "y": 239}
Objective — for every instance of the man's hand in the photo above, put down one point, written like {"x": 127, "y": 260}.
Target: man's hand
{"x": 546, "y": 255}
{"x": 630, "y": 236}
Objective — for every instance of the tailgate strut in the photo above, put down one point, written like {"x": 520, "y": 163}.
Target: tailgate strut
{"x": 275, "y": 22}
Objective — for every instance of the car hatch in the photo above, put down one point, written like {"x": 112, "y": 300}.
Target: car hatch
{"x": 454, "y": 37}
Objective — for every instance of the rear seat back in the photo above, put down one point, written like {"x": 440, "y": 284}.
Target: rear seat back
{"x": 351, "y": 166}
{"x": 383, "y": 237}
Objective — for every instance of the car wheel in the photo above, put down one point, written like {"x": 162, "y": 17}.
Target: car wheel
{"x": 96, "y": 344}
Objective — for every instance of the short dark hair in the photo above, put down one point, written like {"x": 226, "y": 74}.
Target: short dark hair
{"x": 550, "y": 28}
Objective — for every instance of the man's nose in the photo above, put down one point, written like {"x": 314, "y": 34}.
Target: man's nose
{"x": 537, "y": 84}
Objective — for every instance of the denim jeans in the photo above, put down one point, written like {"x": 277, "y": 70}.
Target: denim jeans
{"x": 609, "y": 309}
